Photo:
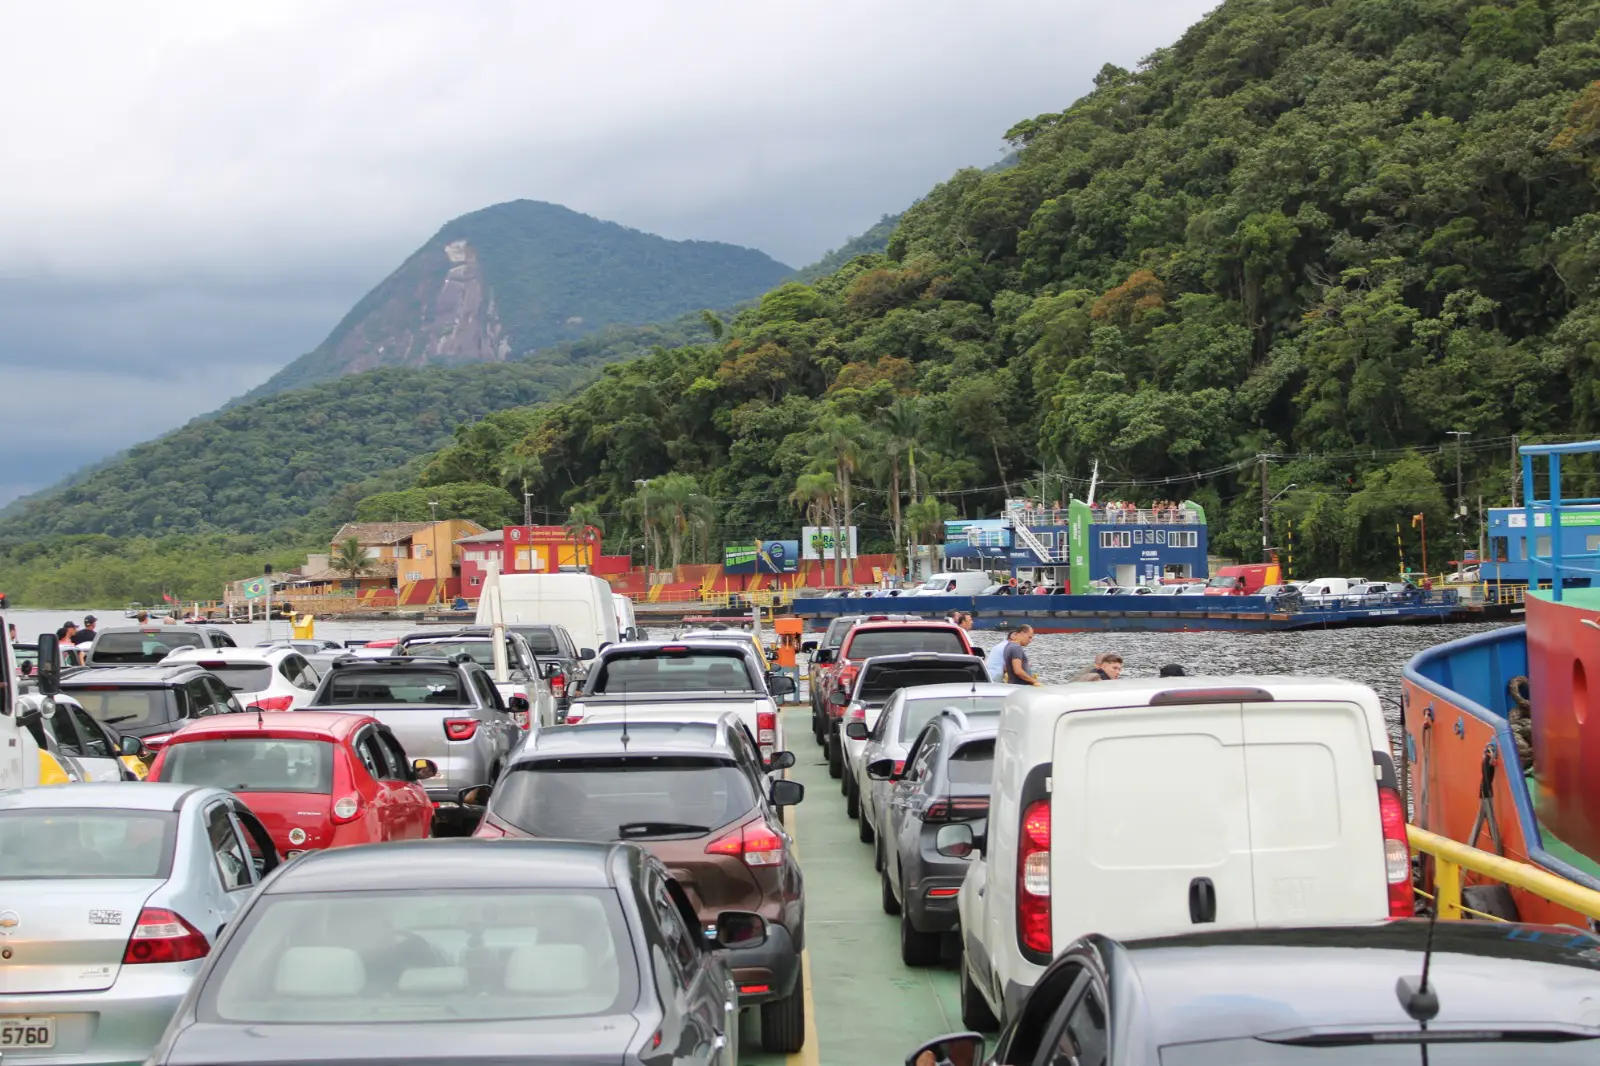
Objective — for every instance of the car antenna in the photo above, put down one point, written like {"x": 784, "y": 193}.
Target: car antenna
{"x": 1419, "y": 1000}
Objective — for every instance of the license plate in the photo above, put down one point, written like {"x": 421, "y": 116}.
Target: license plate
{"x": 27, "y": 1032}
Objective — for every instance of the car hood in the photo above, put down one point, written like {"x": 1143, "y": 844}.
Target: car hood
{"x": 596, "y": 1041}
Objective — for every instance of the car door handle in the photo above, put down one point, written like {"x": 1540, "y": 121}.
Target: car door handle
{"x": 1202, "y": 900}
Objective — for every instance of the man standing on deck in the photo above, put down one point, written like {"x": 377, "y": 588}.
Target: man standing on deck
{"x": 996, "y": 662}
{"x": 1015, "y": 659}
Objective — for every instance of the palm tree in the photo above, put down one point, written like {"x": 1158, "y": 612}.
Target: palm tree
{"x": 350, "y": 558}
{"x": 580, "y": 520}
{"x": 647, "y": 507}
{"x": 901, "y": 422}
{"x": 817, "y": 492}
{"x": 841, "y": 442}
{"x": 519, "y": 469}
{"x": 680, "y": 501}
{"x": 926, "y": 518}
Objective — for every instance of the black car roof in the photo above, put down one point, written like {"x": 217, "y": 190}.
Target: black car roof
{"x": 398, "y": 662}
{"x": 151, "y": 674}
{"x": 1240, "y": 983}
{"x": 644, "y": 737}
{"x": 920, "y": 658}
{"x": 710, "y": 645}
{"x": 446, "y": 864}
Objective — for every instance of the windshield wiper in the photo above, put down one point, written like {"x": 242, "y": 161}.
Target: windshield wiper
{"x": 635, "y": 830}
{"x": 119, "y": 718}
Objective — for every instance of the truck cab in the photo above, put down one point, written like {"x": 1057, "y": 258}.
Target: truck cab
{"x": 1245, "y": 580}
{"x": 22, "y": 762}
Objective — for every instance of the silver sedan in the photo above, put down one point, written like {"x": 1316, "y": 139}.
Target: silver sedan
{"x": 111, "y": 896}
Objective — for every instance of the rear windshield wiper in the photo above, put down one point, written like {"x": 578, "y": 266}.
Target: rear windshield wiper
{"x": 635, "y": 830}
{"x": 119, "y": 718}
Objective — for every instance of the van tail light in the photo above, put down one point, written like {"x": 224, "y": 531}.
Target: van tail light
{"x": 275, "y": 703}
{"x": 347, "y": 809}
{"x": 767, "y": 732}
{"x": 1033, "y": 878}
{"x": 964, "y": 809}
{"x": 1396, "y": 854}
{"x": 558, "y": 684}
{"x": 460, "y": 728}
{"x": 161, "y": 935}
{"x": 756, "y": 842}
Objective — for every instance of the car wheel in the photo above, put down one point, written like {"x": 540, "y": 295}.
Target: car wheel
{"x": 877, "y": 856}
{"x": 975, "y": 1013}
{"x": 852, "y": 797}
{"x": 917, "y": 949}
{"x": 783, "y": 1023}
{"x": 864, "y": 830}
{"x": 890, "y": 904}
{"x": 835, "y": 756}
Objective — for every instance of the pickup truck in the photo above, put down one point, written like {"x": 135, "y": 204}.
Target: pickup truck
{"x": 528, "y": 678}
{"x": 672, "y": 680}
{"x": 445, "y": 710}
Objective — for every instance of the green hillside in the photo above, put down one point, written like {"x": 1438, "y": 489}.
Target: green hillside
{"x": 1331, "y": 232}
{"x": 501, "y": 282}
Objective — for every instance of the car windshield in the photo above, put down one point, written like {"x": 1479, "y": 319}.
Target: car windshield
{"x": 390, "y": 685}
{"x": 481, "y": 651}
{"x": 872, "y": 642}
{"x": 1252, "y": 1052}
{"x": 667, "y": 671}
{"x": 595, "y": 797}
{"x": 136, "y": 711}
{"x": 86, "y": 843}
{"x": 542, "y": 641}
{"x": 252, "y": 764}
{"x": 133, "y": 646}
{"x": 241, "y": 676}
{"x": 1223, "y": 581}
{"x": 881, "y": 681}
{"x": 919, "y": 713}
{"x": 973, "y": 763}
{"x": 462, "y": 955}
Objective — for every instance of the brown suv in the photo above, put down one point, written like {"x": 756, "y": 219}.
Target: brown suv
{"x": 697, "y": 796}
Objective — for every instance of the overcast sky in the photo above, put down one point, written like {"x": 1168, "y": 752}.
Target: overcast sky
{"x": 195, "y": 192}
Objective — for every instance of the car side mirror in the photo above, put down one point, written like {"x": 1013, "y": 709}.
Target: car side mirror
{"x": 518, "y": 704}
{"x": 839, "y": 698}
{"x": 781, "y": 685}
{"x": 881, "y": 769}
{"x": 740, "y": 929}
{"x": 586, "y": 654}
{"x": 957, "y": 1049}
{"x": 132, "y": 746}
{"x": 786, "y": 793}
{"x": 424, "y": 769}
{"x": 48, "y": 674}
{"x": 476, "y": 796}
{"x": 549, "y": 670}
{"x": 781, "y": 760}
{"x": 955, "y": 841}
{"x": 856, "y": 730}
{"x": 808, "y": 645}
{"x": 823, "y": 657}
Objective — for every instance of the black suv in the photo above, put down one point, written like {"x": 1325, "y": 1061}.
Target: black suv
{"x": 946, "y": 779}
{"x": 144, "y": 645}
{"x": 149, "y": 702}
{"x": 553, "y": 644}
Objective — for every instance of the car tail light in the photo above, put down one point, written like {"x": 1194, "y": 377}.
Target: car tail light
{"x": 460, "y": 728}
{"x": 574, "y": 717}
{"x": 756, "y": 842}
{"x": 161, "y": 935}
{"x": 942, "y": 893}
{"x": 857, "y": 713}
{"x": 899, "y": 767}
{"x": 956, "y": 810}
{"x": 558, "y": 684}
{"x": 519, "y": 717}
{"x": 754, "y": 990}
{"x": 156, "y": 741}
{"x": 275, "y": 703}
{"x": 1396, "y": 854}
{"x": 1033, "y": 877}
{"x": 767, "y": 732}
{"x": 347, "y": 808}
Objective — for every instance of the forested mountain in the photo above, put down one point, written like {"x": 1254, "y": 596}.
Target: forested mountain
{"x": 1328, "y": 232}
{"x": 499, "y": 283}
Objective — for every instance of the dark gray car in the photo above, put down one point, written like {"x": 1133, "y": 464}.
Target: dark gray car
{"x": 946, "y": 779}
{"x": 554, "y": 645}
{"x": 149, "y": 644}
{"x": 150, "y": 702}
{"x": 462, "y": 952}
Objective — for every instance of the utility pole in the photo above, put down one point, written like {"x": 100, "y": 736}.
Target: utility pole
{"x": 1516, "y": 468}
{"x": 527, "y": 508}
{"x": 1266, "y": 511}
{"x": 1461, "y": 501}
{"x": 433, "y": 548}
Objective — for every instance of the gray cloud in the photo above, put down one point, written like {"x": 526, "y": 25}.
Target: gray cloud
{"x": 196, "y": 192}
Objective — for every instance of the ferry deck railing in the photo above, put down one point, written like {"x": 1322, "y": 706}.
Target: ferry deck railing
{"x": 1451, "y": 857}
{"x": 1558, "y": 563}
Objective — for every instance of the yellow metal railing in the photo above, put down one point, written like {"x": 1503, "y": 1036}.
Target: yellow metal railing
{"x": 1451, "y": 857}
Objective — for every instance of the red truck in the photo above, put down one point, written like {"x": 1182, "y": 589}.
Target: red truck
{"x": 1245, "y": 580}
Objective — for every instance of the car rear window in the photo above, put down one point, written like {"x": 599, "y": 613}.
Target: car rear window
{"x": 252, "y": 764}
{"x": 388, "y": 685}
{"x": 77, "y": 844}
{"x": 240, "y": 676}
{"x": 542, "y": 641}
{"x": 872, "y": 643}
{"x": 972, "y": 763}
{"x": 481, "y": 651}
{"x": 631, "y": 797}
{"x": 138, "y": 711}
{"x": 421, "y": 955}
{"x": 131, "y": 647}
{"x": 919, "y": 713}
{"x": 881, "y": 681}
{"x": 695, "y": 671}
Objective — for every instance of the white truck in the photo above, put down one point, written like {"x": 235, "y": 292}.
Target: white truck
{"x": 581, "y": 602}
{"x": 22, "y": 762}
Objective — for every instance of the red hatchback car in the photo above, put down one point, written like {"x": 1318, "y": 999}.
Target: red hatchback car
{"x": 315, "y": 780}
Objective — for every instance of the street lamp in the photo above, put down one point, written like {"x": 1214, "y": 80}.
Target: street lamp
{"x": 1266, "y": 523}
{"x": 433, "y": 547}
{"x": 527, "y": 508}
{"x": 1461, "y": 502}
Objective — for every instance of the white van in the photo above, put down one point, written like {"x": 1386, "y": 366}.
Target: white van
{"x": 954, "y": 583}
{"x": 627, "y": 624}
{"x": 581, "y": 602}
{"x": 1153, "y": 807}
{"x": 1328, "y": 589}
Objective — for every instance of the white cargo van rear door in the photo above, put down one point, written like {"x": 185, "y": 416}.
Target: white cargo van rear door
{"x": 1314, "y": 822}
{"x": 1150, "y": 829}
